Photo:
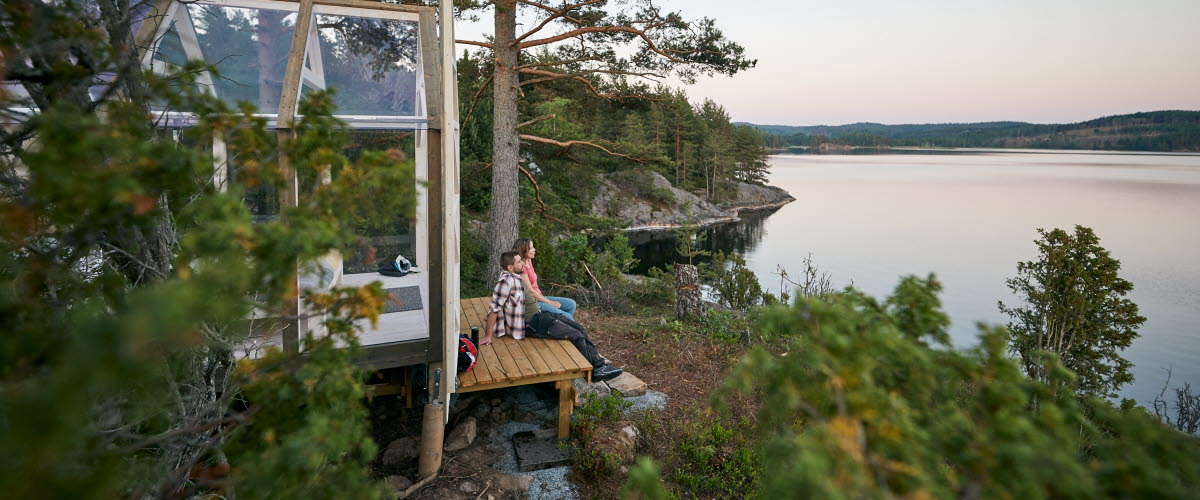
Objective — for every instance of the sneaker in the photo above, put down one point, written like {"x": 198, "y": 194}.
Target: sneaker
{"x": 605, "y": 372}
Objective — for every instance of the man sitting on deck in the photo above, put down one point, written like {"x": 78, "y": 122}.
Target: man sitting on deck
{"x": 512, "y": 311}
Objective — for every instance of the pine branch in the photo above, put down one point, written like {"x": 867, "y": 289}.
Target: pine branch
{"x": 568, "y": 144}
{"x": 535, "y": 120}
{"x": 550, "y": 76}
{"x": 537, "y": 192}
{"x": 475, "y": 100}
{"x": 473, "y": 42}
{"x": 560, "y": 13}
{"x": 608, "y": 29}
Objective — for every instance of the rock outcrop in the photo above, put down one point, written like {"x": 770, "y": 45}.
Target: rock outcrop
{"x": 647, "y": 200}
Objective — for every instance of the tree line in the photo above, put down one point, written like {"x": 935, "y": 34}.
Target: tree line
{"x": 1148, "y": 131}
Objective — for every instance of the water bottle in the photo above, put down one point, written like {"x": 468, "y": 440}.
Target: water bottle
{"x": 475, "y": 335}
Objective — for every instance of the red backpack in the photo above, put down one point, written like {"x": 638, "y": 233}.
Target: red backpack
{"x": 467, "y": 354}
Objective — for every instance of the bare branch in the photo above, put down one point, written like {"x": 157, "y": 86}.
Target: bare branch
{"x": 473, "y": 42}
{"x": 559, "y": 63}
{"x": 606, "y": 29}
{"x": 568, "y": 144}
{"x": 475, "y": 100}
{"x": 550, "y": 9}
{"x": 550, "y": 75}
{"x": 535, "y": 120}
{"x": 560, "y": 13}
{"x": 537, "y": 192}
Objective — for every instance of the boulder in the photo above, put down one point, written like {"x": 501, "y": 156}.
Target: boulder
{"x": 400, "y": 451}
{"x": 510, "y": 482}
{"x": 628, "y": 385}
{"x": 582, "y": 387}
{"x": 753, "y": 196}
{"x": 646, "y": 199}
{"x": 462, "y": 435}
{"x": 615, "y": 440}
{"x": 397, "y": 483}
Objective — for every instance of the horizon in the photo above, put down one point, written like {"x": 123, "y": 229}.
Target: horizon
{"x": 961, "y": 123}
{"x": 937, "y": 61}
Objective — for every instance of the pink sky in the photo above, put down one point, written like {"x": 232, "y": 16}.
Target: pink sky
{"x": 932, "y": 61}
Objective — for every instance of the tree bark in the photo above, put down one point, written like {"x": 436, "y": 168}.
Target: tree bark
{"x": 505, "y": 205}
{"x": 687, "y": 292}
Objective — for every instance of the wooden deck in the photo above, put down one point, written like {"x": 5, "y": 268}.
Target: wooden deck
{"x": 507, "y": 362}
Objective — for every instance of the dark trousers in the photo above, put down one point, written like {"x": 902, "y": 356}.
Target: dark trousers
{"x": 566, "y": 328}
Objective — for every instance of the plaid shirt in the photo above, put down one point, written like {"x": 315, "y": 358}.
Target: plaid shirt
{"x": 508, "y": 299}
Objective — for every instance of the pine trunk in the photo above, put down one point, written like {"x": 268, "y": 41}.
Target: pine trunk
{"x": 505, "y": 206}
{"x": 687, "y": 292}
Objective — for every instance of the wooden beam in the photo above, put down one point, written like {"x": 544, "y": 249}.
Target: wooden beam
{"x": 431, "y": 64}
{"x": 156, "y": 15}
{"x": 295, "y": 65}
{"x": 367, "y": 4}
{"x": 566, "y": 405}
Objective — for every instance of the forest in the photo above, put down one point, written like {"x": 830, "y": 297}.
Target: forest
{"x": 583, "y": 131}
{"x": 1167, "y": 131}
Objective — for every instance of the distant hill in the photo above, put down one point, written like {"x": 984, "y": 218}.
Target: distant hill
{"x": 1149, "y": 131}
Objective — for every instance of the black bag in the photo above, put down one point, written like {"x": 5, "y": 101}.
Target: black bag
{"x": 467, "y": 354}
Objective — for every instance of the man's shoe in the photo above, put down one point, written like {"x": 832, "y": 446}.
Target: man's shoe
{"x": 605, "y": 372}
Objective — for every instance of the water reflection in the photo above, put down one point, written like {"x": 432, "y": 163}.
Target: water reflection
{"x": 658, "y": 248}
{"x": 870, "y": 219}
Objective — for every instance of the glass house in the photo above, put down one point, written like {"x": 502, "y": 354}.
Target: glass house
{"x": 395, "y": 88}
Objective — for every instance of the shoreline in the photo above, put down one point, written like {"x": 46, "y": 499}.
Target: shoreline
{"x": 737, "y": 210}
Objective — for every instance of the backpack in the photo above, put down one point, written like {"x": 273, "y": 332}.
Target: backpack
{"x": 397, "y": 268}
{"x": 467, "y": 354}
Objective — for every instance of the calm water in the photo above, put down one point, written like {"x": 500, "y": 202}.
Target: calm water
{"x": 869, "y": 219}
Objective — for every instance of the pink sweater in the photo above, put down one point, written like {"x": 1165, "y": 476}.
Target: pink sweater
{"x": 532, "y": 276}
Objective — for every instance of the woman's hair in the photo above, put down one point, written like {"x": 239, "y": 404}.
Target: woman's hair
{"x": 522, "y": 246}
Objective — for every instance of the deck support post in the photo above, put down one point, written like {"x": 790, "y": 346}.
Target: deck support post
{"x": 566, "y": 405}
{"x": 433, "y": 431}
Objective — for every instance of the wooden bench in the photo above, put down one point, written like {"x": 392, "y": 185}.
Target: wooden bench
{"x": 507, "y": 362}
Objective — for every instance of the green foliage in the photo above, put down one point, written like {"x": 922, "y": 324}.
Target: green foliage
{"x": 727, "y": 327}
{"x": 1073, "y": 306}
{"x": 717, "y": 460}
{"x": 691, "y": 242}
{"x": 308, "y": 437}
{"x": 592, "y": 463}
{"x": 858, "y": 406}
{"x": 644, "y": 484}
{"x": 735, "y": 285}
{"x": 126, "y": 281}
{"x": 607, "y": 408}
{"x": 917, "y": 309}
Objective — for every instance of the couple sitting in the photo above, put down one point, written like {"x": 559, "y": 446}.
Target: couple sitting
{"x": 516, "y": 309}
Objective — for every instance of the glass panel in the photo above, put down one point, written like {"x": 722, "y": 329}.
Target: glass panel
{"x": 248, "y": 46}
{"x": 373, "y": 64}
{"x": 383, "y": 239}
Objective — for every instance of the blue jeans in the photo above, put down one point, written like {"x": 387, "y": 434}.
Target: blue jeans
{"x": 567, "y": 309}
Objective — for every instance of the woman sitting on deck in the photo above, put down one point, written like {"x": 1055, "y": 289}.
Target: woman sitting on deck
{"x": 561, "y": 305}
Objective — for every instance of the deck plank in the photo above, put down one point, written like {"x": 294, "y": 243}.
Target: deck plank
{"x": 554, "y": 347}
{"x": 490, "y": 361}
{"x": 552, "y": 361}
{"x": 517, "y": 350}
{"x": 467, "y": 378}
{"x": 535, "y": 359}
{"x": 511, "y": 369}
{"x": 580, "y": 361}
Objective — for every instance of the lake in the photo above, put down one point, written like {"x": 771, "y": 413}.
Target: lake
{"x": 970, "y": 216}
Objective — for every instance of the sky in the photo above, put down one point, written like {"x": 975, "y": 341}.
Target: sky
{"x": 939, "y": 61}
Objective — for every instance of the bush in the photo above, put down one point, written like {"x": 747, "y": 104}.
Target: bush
{"x": 714, "y": 460}
{"x": 860, "y": 406}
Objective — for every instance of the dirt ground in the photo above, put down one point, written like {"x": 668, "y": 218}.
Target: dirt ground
{"x": 687, "y": 367}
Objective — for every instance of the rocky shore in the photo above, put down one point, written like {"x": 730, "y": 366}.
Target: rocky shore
{"x": 648, "y": 202}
